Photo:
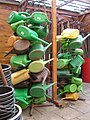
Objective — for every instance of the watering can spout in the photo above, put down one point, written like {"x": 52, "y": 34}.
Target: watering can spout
{"x": 34, "y": 37}
{"x": 47, "y": 46}
{"x": 48, "y": 86}
{"x": 18, "y": 63}
{"x": 86, "y": 37}
{"x": 45, "y": 62}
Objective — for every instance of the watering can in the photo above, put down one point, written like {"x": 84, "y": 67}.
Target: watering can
{"x": 12, "y": 39}
{"x": 23, "y": 82}
{"x": 64, "y": 73}
{"x": 19, "y": 60}
{"x": 38, "y": 18}
{"x": 41, "y": 76}
{"x": 77, "y": 81}
{"x": 76, "y": 71}
{"x": 38, "y": 65}
{"x": 77, "y": 51}
{"x": 17, "y": 16}
{"x": 71, "y": 96}
{"x": 64, "y": 55}
{"x": 69, "y": 33}
{"x": 37, "y": 90}
{"x": 20, "y": 76}
{"x": 39, "y": 100}
{"x": 25, "y": 104}
{"x": 37, "y": 51}
{"x": 80, "y": 88}
{"x": 42, "y": 31}
{"x": 69, "y": 88}
{"x": 19, "y": 47}
{"x": 28, "y": 34}
{"x": 61, "y": 63}
{"x": 77, "y": 62}
{"x": 16, "y": 24}
{"x": 22, "y": 95}
{"x": 65, "y": 46}
{"x": 77, "y": 43}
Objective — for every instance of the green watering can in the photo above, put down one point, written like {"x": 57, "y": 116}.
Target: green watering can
{"x": 19, "y": 60}
{"x": 37, "y": 90}
{"x": 77, "y": 43}
{"x": 77, "y": 81}
{"x": 61, "y": 63}
{"x": 16, "y": 24}
{"x": 28, "y": 34}
{"x": 37, "y": 51}
{"x": 64, "y": 73}
{"x": 23, "y": 105}
{"x": 69, "y": 88}
{"x": 65, "y": 46}
{"x": 42, "y": 31}
{"x": 77, "y": 51}
{"x": 80, "y": 88}
{"x": 77, "y": 62}
{"x": 21, "y": 95}
{"x": 38, "y": 65}
{"x": 38, "y": 18}
{"x": 39, "y": 100}
{"x": 66, "y": 55}
{"x": 76, "y": 71}
{"x": 17, "y": 16}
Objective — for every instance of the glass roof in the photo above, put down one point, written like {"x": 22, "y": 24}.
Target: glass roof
{"x": 71, "y": 5}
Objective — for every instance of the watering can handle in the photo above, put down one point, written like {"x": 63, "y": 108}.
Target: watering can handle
{"x": 25, "y": 13}
{"x": 3, "y": 76}
{"x": 44, "y": 79}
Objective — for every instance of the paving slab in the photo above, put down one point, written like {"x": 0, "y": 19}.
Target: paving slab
{"x": 85, "y": 116}
{"x": 68, "y": 113}
{"x": 81, "y": 107}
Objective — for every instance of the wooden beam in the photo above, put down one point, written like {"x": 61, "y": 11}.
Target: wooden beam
{"x": 62, "y": 12}
{"x": 54, "y": 33}
{"x": 9, "y": 2}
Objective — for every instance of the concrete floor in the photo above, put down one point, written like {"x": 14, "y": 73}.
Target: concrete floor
{"x": 74, "y": 110}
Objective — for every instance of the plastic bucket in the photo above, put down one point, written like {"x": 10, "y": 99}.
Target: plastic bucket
{"x": 7, "y": 107}
{"x": 86, "y": 70}
{"x": 18, "y": 113}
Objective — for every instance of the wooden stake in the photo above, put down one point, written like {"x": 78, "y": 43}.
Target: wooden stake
{"x": 54, "y": 33}
{"x": 3, "y": 76}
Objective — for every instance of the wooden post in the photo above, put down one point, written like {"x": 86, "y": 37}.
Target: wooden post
{"x": 54, "y": 33}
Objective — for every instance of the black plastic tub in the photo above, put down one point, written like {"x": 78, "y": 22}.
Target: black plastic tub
{"x": 7, "y": 106}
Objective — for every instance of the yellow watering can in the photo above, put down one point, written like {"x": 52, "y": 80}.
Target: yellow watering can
{"x": 12, "y": 39}
{"x": 38, "y": 65}
{"x": 71, "y": 96}
{"x": 20, "y": 76}
{"x": 69, "y": 33}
